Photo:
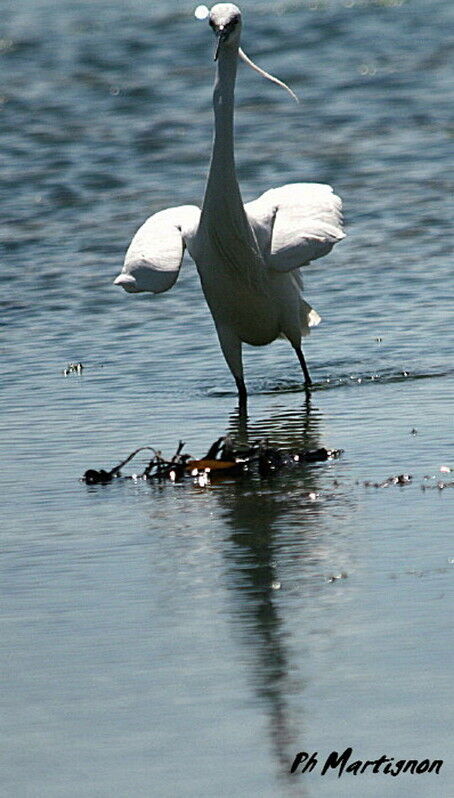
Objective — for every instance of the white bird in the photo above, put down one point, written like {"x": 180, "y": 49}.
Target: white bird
{"x": 248, "y": 256}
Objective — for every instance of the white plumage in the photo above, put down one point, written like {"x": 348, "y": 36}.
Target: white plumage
{"x": 247, "y": 256}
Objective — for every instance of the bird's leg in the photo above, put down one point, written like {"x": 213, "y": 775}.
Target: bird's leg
{"x": 307, "y": 377}
{"x": 238, "y": 425}
{"x": 231, "y": 349}
{"x": 242, "y": 393}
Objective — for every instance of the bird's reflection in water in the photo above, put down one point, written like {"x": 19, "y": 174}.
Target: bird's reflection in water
{"x": 294, "y": 428}
{"x": 261, "y": 552}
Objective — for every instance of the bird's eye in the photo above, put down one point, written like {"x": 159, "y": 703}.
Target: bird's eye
{"x": 228, "y": 26}
{"x": 232, "y": 22}
{"x": 231, "y": 25}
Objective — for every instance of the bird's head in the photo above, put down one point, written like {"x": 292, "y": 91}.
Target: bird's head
{"x": 225, "y": 19}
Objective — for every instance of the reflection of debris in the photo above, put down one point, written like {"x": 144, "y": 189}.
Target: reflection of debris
{"x": 401, "y": 479}
{"x": 73, "y": 368}
{"x": 429, "y": 483}
{"x": 421, "y": 574}
{"x": 440, "y": 485}
{"x": 435, "y": 483}
{"x": 221, "y": 460}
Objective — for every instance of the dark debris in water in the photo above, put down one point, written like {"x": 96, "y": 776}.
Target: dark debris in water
{"x": 73, "y": 368}
{"x": 101, "y": 477}
{"x": 271, "y": 460}
{"x": 429, "y": 482}
{"x": 400, "y": 479}
{"x": 335, "y": 577}
{"x": 221, "y": 460}
{"x": 439, "y": 485}
{"x": 435, "y": 483}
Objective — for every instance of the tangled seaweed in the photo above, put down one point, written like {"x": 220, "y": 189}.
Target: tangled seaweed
{"x": 221, "y": 460}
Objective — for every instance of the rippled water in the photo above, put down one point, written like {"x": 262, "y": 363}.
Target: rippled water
{"x": 179, "y": 640}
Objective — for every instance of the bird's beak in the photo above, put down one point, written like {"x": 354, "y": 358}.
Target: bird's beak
{"x": 221, "y": 33}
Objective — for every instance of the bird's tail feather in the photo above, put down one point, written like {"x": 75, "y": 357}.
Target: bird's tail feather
{"x": 308, "y": 317}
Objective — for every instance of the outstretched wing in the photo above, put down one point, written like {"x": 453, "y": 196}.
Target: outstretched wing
{"x": 153, "y": 260}
{"x": 296, "y": 223}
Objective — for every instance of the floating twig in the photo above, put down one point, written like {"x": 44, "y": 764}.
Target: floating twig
{"x": 94, "y": 476}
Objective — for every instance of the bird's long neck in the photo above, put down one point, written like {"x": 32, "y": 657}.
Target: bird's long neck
{"x": 223, "y": 216}
{"x": 222, "y": 184}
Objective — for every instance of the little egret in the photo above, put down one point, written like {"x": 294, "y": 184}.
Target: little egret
{"x": 248, "y": 256}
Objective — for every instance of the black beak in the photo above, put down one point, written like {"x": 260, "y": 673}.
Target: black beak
{"x": 222, "y": 34}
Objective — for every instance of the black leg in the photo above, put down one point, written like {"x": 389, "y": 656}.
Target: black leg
{"x": 242, "y": 392}
{"x": 307, "y": 377}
